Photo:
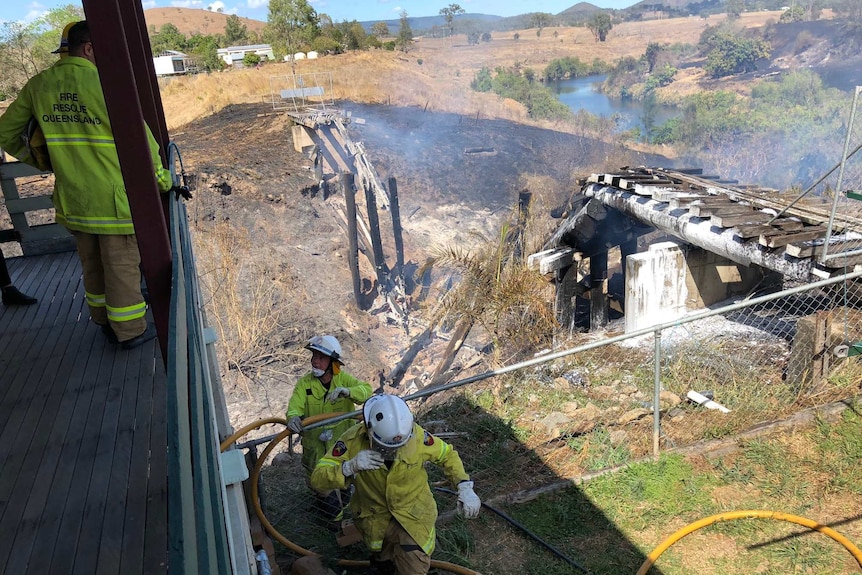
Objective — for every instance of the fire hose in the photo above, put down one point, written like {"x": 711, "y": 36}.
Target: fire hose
{"x": 692, "y": 527}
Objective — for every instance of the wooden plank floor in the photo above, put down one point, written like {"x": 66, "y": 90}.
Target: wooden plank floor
{"x": 83, "y": 480}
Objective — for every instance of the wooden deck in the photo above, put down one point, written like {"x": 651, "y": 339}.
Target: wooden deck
{"x": 83, "y": 480}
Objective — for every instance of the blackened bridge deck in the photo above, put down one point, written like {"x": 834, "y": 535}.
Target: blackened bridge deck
{"x": 83, "y": 479}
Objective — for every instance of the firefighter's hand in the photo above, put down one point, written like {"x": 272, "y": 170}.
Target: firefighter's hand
{"x": 295, "y": 424}
{"x": 468, "y": 502}
{"x": 181, "y": 191}
{"x": 365, "y": 460}
{"x": 337, "y": 394}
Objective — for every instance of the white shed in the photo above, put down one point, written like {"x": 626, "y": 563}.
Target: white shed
{"x": 171, "y": 62}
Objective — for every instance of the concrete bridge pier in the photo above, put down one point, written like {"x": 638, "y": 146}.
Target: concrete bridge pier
{"x": 672, "y": 278}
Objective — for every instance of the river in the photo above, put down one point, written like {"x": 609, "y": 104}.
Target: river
{"x": 581, "y": 94}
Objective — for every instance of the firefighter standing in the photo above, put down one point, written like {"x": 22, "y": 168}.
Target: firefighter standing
{"x": 393, "y": 506}
{"x": 89, "y": 198}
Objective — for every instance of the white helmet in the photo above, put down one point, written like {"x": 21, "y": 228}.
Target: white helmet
{"x": 327, "y": 345}
{"x": 389, "y": 420}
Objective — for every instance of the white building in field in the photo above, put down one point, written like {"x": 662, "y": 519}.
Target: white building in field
{"x": 171, "y": 62}
{"x": 233, "y": 55}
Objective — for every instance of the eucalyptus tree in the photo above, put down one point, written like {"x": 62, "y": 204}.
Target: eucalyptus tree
{"x": 380, "y": 29}
{"x": 449, "y": 13}
{"x": 235, "y": 32}
{"x": 292, "y": 24}
{"x": 600, "y": 24}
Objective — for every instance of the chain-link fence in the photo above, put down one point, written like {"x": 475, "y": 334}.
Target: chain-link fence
{"x": 587, "y": 408}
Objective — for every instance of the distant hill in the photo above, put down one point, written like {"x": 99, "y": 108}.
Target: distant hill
{"x": 191, "y": 21}
{"x": 580, "y": 11}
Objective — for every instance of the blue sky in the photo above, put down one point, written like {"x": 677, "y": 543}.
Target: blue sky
{"x": 338, "y": 10}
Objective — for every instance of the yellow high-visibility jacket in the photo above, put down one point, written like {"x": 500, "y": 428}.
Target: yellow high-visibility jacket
{"x": 400, "y": 491}
{"x": 67, "y": 102}
{"x": 309, "y": 398}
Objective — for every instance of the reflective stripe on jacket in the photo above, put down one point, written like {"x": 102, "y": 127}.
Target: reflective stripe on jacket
{"x": 401, "y": 491}
{"x": 309, "y": 398}
{"x": 67, "y": 101}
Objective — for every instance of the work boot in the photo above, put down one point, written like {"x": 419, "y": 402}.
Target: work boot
{"x": 109, "y": 333}
{"x": 11, "y": 296}
{"x": 136, "y": 341}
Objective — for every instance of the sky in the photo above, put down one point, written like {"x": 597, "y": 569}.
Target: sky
{"x": 338, "y": 10}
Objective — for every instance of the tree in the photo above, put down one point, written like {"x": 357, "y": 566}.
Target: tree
{"x": 792, "y": 14}
{"x": 380, "y": 29}
{"x": 449, "y": 14}
{"x": 734, "y": 8}
{"x": 205, "y": 50}
{"x": 235, "y": 32}
{"x": 168, "y": 38}
{"x": 354, "y": 35}
{"x": 653, "y": 49}
{"x": 600, "y": 24}
{"x": 732, "y": 54}
{"x": 291, "y": 25}
{"x": 540, "y": 20}
{"x": 405, "y": 34}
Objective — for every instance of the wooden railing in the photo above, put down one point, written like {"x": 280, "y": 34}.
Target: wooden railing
{"x": 34, "y": 239}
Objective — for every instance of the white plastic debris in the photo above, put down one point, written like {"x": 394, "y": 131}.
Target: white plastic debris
{"x": 706, "y": 402}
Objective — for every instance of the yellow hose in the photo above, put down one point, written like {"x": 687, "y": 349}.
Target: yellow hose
{"x": 730, "y": 515}
{"x": 255, "y": 499}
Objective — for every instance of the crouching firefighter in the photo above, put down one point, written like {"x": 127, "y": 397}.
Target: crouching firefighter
{"x": 325, "y": 389}
{"x": 393, "y": 508}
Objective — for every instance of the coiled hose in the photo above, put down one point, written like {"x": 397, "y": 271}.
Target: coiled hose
{"x": 255, "y": 499}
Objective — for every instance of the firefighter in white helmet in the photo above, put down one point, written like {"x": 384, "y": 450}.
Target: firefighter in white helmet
{"x": 393, "y": 508}
{"x": 325, "y": 389}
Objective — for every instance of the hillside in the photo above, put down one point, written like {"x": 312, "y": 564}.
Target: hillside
{"x": 190, "y": 21}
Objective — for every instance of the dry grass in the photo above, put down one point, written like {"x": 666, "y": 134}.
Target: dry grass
{"x": 442, "y": 81}
{"x": 259, "y": 326}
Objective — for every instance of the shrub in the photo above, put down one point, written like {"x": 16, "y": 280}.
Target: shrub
{"x": 250, "y": 60}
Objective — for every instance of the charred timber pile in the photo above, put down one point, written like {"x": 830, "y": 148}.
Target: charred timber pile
{"x": 737, "y": 222}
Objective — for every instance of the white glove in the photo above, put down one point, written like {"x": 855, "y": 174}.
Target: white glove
{"x": 337, "y": 393}
{"x": 365, "y": 460}
{"x": 468, "y": 502}
{"x": 295, "y": 424}
{"x": 325, "y": 435}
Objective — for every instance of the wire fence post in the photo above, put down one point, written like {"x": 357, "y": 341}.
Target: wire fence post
{"x": 656, "y": 411}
